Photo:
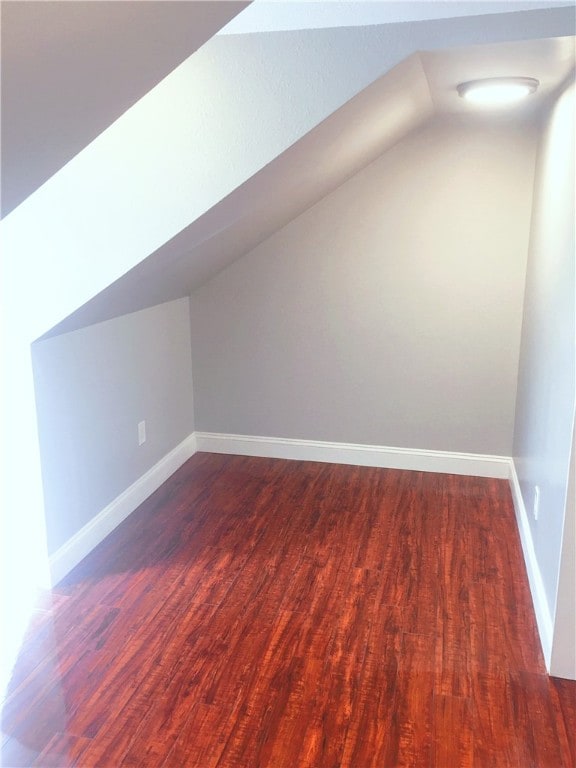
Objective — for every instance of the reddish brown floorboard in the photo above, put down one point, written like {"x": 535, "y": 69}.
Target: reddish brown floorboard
{"x": 266, "y": 613}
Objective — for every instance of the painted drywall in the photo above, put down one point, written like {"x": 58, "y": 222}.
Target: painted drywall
{"x": 352, "y": 137}
{"x": 93, "y": 387}
{"x": 210, "y": 125}
{"x": 341, "y": 145}
{"x": 563, "y": 661}
{"x": 546, "y": 379}
{"x": 268, "y": 17}
{"x": 387, "y": 314}
{"x": 80, "y": 66}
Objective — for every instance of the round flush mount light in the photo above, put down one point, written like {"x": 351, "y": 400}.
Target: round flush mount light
{"x": 497, "y": 91}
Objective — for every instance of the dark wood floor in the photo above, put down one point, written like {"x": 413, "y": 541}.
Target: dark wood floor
{"x": 257, "y": 612}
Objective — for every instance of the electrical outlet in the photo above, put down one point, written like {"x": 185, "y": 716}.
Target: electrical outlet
{"x": 141, "y": 432}
{"x": 536, "y": 508}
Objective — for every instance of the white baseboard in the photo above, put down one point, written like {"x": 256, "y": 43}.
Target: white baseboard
{"x": 88, "y": 537}
{"x": 360, "y": 455}
{"x": 541, "y": 607}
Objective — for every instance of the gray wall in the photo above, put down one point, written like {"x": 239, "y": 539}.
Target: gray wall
{"x": 93, "y": 386}
{"x": 389, "y": 313}
{"x": 546, "y": 385}
{"x": 563, "y": 662}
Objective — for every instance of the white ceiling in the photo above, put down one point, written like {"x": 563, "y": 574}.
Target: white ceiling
{"x": 397, "y": 103}
{"x": 549, "y": 60}
{"x": 284, "y": 15}
{"x": 69, "y": 69}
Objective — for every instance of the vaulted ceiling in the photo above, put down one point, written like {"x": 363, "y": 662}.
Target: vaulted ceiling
{"x": 69, "y": 69}
{"x": 246, "y": 134}
{"x": 420, "y": 88}
{"x": 285, "y": 15}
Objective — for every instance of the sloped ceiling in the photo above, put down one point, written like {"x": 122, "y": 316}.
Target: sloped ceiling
{"x": 291, "y": 14}
{"x": 349, "y": 139}
{"x": 69, "y": 69}
{"x": 236, "y": 141}
{"x": 421, "y": 87}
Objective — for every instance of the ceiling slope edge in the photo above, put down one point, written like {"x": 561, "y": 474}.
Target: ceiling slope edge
{"x": 421, "y": 87}
{"x": 214, "y": 123}
{"x": 80, "y": 66}
{"x": 326, "y": 157}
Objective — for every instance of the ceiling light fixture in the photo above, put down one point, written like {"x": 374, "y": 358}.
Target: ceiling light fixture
{"x": 497, "y": 91}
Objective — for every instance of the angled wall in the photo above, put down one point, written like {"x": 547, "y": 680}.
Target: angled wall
{"x": 210, "y": 125}
{"x": 563, "y": 658}
{"x": 207, "y": 127}
{"x": 80, "y": 66}
{"x": 93, "y": 387}
{"x": 387, "y": 314}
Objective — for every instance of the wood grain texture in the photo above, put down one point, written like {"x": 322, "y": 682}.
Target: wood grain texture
{"x": 283, "y": 614}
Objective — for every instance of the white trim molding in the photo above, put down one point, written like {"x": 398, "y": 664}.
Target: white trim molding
{"x": 361, "y": 455}
{"x": 539, "y": 599}
{"x": 96, "y": 530}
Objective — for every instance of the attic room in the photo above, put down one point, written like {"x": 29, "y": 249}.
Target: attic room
{"x": 289, "y": 395}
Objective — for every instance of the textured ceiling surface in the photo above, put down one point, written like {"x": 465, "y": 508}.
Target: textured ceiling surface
{"x": 297, "y": 113}
{"x": 69, "y": 69}
{"x": 290, "y": 15}
{"x": 421, "y": 87}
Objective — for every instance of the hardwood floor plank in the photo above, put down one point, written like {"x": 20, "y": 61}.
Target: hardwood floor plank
{"x": 284, "y": 614}
{"x": 14, "y": 754}
{"x": 453, "y": 738}
{"x": 372, "y": 738}
{"x": 563, "y": 694}
{"x": 457, "y": 568}
{"x": 495, "y": 740}
{"x": 192, "y": 746}
{"x": 63, "y": 751}
{"x": 530, "y": 702}
{"x": 40, "y": 707}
